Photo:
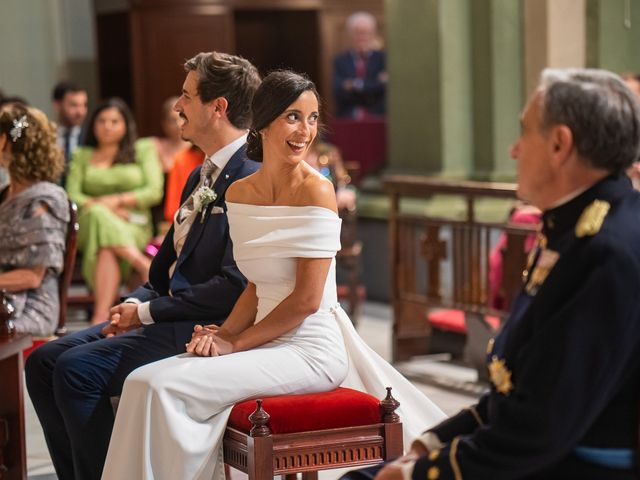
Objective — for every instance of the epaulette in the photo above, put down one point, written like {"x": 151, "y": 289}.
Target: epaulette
{"x": 592, "y": 218}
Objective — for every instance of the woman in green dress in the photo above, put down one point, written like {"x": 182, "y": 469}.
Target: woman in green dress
{"x": 114, "y": 180}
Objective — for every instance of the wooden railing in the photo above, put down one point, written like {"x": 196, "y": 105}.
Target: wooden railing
{"x": 443, "y": 261}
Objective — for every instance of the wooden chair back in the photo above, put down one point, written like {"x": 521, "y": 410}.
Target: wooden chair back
{"x": 442, "y": 262}
{"x": 64, "y": 281}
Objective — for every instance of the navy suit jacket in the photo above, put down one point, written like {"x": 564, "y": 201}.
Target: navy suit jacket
{"x": 371, "y": 96}
{"x": 206, "y": 281}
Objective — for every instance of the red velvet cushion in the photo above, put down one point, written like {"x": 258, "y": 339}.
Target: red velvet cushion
{"x": 339, "y": 408}
{"x": 36, "y": 343}
{"x": 453, "y": 321}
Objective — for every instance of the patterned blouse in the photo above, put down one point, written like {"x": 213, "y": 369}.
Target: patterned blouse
{"x": 30, "y": 238}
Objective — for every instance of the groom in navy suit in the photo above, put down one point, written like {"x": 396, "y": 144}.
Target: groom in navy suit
{"x": 193, "y": 279}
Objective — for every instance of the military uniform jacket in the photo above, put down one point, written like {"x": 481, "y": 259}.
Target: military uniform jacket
{"x": 565, "y": 369}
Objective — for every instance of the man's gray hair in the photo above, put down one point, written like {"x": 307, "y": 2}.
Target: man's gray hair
{"x": 358, "y": 17}
{"x": 601, "y": 111}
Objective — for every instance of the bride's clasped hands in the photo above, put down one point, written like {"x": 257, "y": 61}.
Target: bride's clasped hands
{"x": 210, "y": 341}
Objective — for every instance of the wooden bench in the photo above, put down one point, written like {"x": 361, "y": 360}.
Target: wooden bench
{"x": 442, "y": 262}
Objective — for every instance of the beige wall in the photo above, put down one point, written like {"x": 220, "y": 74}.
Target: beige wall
{"x": 554, "y": 36}
{"x": 42, "y": 42}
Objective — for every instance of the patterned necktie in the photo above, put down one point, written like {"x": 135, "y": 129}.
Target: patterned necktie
{"x": 361, "y": 66}
{"x": 208, "y": 167}
{"x": 67, "y": 144}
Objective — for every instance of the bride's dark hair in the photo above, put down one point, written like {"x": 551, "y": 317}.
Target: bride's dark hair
{"x": 277, "y": 91}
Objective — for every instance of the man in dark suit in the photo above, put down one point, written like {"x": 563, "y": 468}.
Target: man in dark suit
{"x": 70, "y": 103}
{"x": 565, "y": 369}
{"x": 359, "y": 74}
{"x": 193, "y": 279}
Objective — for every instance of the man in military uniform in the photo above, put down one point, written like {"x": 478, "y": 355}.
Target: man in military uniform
{"x": 565, "y": 369}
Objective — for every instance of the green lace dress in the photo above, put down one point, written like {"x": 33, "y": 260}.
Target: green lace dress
{"x": 99, "y": 226}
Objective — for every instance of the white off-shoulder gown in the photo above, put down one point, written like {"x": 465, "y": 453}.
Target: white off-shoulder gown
{"x": 172, "y": 413}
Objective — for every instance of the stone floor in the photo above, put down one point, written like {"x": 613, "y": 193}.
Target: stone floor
{"x": 449, "y": 386}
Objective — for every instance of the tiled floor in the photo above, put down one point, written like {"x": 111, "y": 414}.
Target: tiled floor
{"x": 428, "y": 374}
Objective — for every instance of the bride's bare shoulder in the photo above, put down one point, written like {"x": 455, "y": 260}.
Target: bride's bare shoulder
{"x": 318, "y": 192}
{"x": 242, "y": 190}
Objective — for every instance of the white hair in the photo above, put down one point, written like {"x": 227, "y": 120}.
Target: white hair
{"x": 358, "y": 17}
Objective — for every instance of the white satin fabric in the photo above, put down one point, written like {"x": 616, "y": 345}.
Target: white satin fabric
{"x": 173, "y": 413}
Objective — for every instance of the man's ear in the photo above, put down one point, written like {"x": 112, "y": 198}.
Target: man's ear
{"x": 561, "y": 143}
{"x": 220, "y": 105}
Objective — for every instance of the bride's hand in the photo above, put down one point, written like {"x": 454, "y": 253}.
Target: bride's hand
{"x": 224, "y": 342}
{"x": 210, "y": 341}
{"x": 201, "y": 343}
{"x": 203, "y": 329}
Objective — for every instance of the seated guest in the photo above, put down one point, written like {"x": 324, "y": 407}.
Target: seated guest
{"x": 633, "y": 82}
{"x": 193, "y": 279}
{"x": 114, "y": 180}
{"x": 186, "y": 161}
{"x": 70, "y": 104}
{"x": 326, "y": 158}
{"x": 565, "y": 368}
{"x": 359, "y": 74}
{"x": 34, "y": 215}
{"x": 521, "y": 214}
{"x": 169, "y": 146}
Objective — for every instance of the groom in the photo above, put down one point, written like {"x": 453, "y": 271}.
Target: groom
{"x": 193, "y": 279}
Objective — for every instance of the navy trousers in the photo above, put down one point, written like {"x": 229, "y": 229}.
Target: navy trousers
{"x": 70, "y": 382}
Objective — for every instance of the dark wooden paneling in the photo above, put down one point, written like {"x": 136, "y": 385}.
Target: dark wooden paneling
{"x": 142, "y": 44}
{"x": 115, "y": 74}
{"x": 288, "y": 39}
{"x": 162, "y": 40}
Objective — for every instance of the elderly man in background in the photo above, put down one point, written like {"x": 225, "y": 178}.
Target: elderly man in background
{"x": 359, "y": 74}
{"x": 565, "y": 368}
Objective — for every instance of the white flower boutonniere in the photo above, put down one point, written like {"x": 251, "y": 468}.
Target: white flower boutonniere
{"x": 203, "y": 197}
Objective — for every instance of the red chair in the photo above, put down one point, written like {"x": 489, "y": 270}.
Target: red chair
{"x": 293, "y": 434}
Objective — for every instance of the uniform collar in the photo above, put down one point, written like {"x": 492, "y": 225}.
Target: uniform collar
{"x": 558, "y": 220}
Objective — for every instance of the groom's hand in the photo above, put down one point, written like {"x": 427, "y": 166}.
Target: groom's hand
{"x": 124, "y": 317}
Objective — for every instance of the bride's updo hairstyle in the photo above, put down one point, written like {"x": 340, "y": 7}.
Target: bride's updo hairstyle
{"x": 277, "y": 91}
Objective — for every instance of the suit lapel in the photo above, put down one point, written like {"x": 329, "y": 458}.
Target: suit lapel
{"x": 227, "y": 177}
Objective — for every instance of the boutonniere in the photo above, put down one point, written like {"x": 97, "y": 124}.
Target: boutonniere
{"x": 203, "y": 197}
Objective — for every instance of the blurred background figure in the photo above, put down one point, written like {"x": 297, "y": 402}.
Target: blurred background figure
{"x": 359, "y": 74}
{"x": 115, "y": 179}
{"x": 34, "y": 215}
{"x": 185, "y": 162}
{"x": 70, "y": 105}
{"x": 633, "y": 82}
{"x": 326, "y": 158}
{"x": 168, "y": 146}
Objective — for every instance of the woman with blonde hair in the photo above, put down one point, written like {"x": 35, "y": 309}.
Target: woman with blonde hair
{"x": 34, "y": 216}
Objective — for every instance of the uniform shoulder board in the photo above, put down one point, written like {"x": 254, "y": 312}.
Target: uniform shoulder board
{"x": 590, "y": 222}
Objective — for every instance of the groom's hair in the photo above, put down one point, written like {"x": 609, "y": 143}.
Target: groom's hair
{"x": 228, "y": 76}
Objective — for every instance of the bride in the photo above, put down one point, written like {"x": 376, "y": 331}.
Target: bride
{"x": 286, "y": 334}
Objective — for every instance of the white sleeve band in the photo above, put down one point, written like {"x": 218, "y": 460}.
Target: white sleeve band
{"x": 144, "y": 313}
{"x": 430, "y": 440}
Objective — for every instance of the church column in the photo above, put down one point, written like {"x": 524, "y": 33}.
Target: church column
{"x": 455, "y": 86}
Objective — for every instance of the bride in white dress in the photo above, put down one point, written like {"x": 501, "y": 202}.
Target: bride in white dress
{"x": 287, "y": 333}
